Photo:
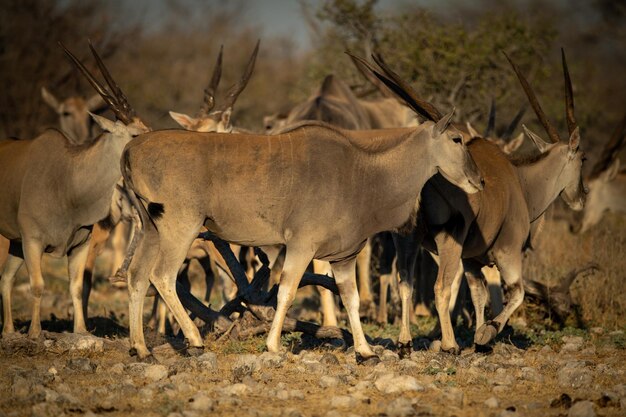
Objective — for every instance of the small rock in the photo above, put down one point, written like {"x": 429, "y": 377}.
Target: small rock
{"x": 146, "y": 394}
{"x": 362, "y": 386}
{"x": 20, "y": 388}
{"x": 73, "y": 342}
{"x": 572, "y": 344}
{"x": 296, "y": 394}
{"x": 271, "y": 360}
{"x": 235, "y": 390}
{"x": 201, "y": 402}
{"x": 597, "y": 330}
{"x": 81, "y": 365}
{"x": 582, "y": 409}
{"x": 491, "y": 402}
{"x": 329, "y": 359}
{"x": 155, "y": 372}
{"x": 500, "y": 389}
{"x": 572, "y": 375}
{"x": 291, "y": 412}
{"x": 207, "y": 361}
{"x": 390, "y": 356}
{"x": 530, "y": 374}
{"x": 244, "y": 366}
{"x": 117, "y": 369}
{"x": 390, "y": 383}
{"x": 454, "y": 396}
{"x": 503, "y": 377}
{"x": 328, "y": 381}
{"x": 282, "y": 394}
{"x": 546, "y": 350}
{"x": 407, "y": 365}
{"x": 400, "y": 407}
{"x": 343, "y": 401}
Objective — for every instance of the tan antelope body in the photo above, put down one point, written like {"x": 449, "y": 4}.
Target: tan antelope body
{"x": 264, "y": 190}
{"x": 208, "y": 120}
{"x": 334, "y": 103}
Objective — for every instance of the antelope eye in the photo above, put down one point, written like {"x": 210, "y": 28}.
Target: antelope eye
{"x": 66, "y": 113}
{"x": 457, "y": 139}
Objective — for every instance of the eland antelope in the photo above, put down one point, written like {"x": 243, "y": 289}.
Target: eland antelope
{"x": 207, "y": 119}
{"x": 210, "y": 121}
{"x": 53, "y": 192}
{"x": 497, "y": 222}
{"x": 73, "y": 114}
{"x": 264, "y": 190}
{"x": 607, "y": 185}
{"x": 492, "y": 226}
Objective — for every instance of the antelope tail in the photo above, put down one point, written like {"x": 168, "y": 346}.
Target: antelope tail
{"x": 147, "y": 215}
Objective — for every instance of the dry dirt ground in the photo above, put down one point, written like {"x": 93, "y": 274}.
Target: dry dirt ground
{"x": 530, "y": 371}
{"x": 575, "y": 373}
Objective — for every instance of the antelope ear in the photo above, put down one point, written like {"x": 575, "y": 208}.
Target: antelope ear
{"x": 472, "y": 131}
{"x": 541, "y": 144}
{"x": 104, "y": 123}
{"x": 514, "y": 144}
{"x": 574, "y": 140}
{"x": 95, "y": 103}
{"x": 50, "y": 99}
{"x": 226, "y": 118}
{"x": 443, "y": 124}
{"x": 183, "y": 120}
{"x": 611, "y": 172}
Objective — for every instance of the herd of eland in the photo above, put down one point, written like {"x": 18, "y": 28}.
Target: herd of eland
{"x": 318, "y": 185}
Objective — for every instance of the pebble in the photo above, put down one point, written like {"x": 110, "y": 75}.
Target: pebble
{"x": 155, "y": 372}
{"x": 235, "y": 390}
{"x": 572, "y": 344}
{"x": 73, "y": 342}
{"x": 391, "y": 383}
{"x": 390, "y": 356}
{"x": 271, "y": 360}
{"x": 245, "y": 365}
{"x": 573, "y": 375}
{"x": 582, "y": 409}
{"x": 400, "y": 407}
{"x": 207, "y": 361}
{"x": 491, "y": 402}
{"x": 454, "y": 396}
{"x": 530, "y": 374}
{"x": 201, "y": 402}
{"x": 81, "y": 365}
{"x": 407, "y": 365}
{"x": 329, "y": 359}
{"x": 343, "y": 401}
{"x": 328, "y": 381}
{"x": 503, "y": 377}
{"x": 117, "y": 369}
{"x": 20, "y": 388}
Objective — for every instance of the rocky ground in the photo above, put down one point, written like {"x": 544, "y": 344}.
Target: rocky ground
{"x": 65, "y": 374}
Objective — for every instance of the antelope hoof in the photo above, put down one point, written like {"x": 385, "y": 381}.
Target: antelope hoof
{"x": 454, "y": 350}
{"x": 486, "y": 333}
{"x": 195, "y": 351}
{"x": 34, "y": 334}
{"x": 367, "y": 361}
{"x": 119, "y": 280}
{"x": 142, "y": 356}
{"x": 405, "y": 349}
